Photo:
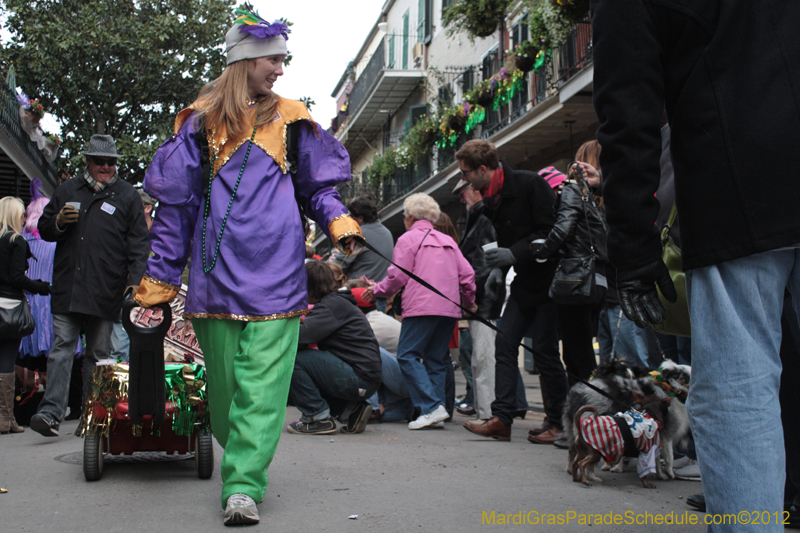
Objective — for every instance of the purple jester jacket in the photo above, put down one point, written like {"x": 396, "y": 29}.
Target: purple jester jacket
{"x": 258, "y": 273}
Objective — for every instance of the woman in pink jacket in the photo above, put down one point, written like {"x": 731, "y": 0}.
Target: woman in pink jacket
{"x": 428, "y": 319}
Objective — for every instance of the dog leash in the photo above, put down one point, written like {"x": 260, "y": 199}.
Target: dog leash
{"x": 472, "y": 316}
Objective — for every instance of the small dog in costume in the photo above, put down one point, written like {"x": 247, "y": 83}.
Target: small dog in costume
{"x": 628, "y": 434}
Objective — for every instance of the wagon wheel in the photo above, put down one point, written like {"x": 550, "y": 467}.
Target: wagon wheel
{"x": 93, "y": 456}
{"x": 204, "y": 453}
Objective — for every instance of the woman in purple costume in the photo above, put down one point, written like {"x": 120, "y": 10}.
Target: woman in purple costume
{"x": 235, "y": 212}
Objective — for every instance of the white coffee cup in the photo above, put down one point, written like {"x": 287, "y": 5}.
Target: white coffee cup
{"x": 489, "y": 246}
{"x": 539, "y": 241}
{"x": 76, "y": 205}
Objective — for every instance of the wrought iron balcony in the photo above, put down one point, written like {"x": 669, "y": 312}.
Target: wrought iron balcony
{"x": 18, "y": 154}
{"x": 390, "y": 76}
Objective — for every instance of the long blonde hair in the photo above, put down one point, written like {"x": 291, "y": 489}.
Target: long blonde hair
{"x": 11, "y": 212}
{"x": 224, "y": 102}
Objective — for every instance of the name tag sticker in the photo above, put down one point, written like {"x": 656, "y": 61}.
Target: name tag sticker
{"x": 108, "y": 208}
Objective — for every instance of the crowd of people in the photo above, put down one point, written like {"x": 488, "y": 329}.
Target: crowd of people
{"x": 365, "y": 335}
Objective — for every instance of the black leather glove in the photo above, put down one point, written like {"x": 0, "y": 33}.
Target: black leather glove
{"x": 500, "y": 257}
{"x": 44, "y": 288}
{"x": 638, "y": 296}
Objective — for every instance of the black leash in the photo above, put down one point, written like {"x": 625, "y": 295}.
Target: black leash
{"x": 472, "y": 316}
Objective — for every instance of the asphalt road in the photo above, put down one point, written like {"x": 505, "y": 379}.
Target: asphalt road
{"x": 390, "y": 478}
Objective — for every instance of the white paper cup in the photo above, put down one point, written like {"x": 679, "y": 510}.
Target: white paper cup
{"x": 76, "y": 205}
{"x": 489, "y": 246}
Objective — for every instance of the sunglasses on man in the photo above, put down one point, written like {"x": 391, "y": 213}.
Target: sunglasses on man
{"x": 99, "y": 161}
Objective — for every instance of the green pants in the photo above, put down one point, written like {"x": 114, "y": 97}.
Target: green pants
{"x": 249, "y": 367}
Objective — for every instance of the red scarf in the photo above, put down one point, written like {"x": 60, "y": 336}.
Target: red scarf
{"x": 495, "y": 185}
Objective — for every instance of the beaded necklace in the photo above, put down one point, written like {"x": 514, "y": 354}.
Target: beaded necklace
{"x": 207, "y": 209}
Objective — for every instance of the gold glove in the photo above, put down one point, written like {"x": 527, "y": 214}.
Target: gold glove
{"x": 153, "y": 292}
{"x": 342, "y": 227}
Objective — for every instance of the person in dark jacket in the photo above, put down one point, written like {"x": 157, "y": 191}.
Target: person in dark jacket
{"x": 579, "y": 232}
{"x": 336, "y": 379}
{"x": 519, "y": 204}
{"x": 478, "y": 233}
{"x": 737, "y": 197}
{"x": 14, "y": 251}
{"x": 97, "y": 221}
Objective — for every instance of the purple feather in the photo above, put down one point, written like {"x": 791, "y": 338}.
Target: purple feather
{"x": 265, "y": 30}
{"x": 24, "y": 101}
{"x": 36, "y": 188}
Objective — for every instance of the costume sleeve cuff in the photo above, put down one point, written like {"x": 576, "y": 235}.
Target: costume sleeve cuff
{"x": 153, "y": 292}
{"x": 341, "y": 227}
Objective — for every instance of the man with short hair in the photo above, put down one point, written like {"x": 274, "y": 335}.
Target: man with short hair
{"x": 97, "y": 220}
{"x": 367, "y": 263}
{"x": 520, "y": 205}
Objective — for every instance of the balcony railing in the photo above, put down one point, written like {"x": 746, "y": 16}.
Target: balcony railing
{"x": 367, "y": 79}
{"x": 9, "y": 121}
{"x": 395, "y": 52}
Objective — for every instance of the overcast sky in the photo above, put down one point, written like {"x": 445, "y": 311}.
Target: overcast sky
{"x": 326, "y": 36}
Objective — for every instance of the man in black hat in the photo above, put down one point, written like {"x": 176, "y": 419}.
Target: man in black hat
{"x": 98, "y": 223}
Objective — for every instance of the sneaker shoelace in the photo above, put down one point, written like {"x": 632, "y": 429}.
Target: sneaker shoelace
{"x": 240, "y": 500}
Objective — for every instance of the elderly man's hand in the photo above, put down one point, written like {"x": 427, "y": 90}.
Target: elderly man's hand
{"x": 67, "y": 215}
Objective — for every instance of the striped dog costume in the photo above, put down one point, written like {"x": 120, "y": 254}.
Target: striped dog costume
{"x": 624, "y": 434}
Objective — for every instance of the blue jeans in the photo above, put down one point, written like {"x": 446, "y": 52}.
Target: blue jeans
{"x": 621, "y": 338}
{"x": 392, "y": 393}
{"x": 323, "y": 384}
{"x": 120, "y": 343}
{"x": 423, "y": 355}
{"x": 67, "y": 330}
{"x": 514, "y": 324}
{"x": 735, "y": 309}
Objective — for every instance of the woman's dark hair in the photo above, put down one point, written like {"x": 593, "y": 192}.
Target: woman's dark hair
{"x": 445, "y": 225}
{"x": 364, "y": 206}
{"x": 321, "y": 280}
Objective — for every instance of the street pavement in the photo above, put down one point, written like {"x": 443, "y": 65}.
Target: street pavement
{"x": 389, "y": 479}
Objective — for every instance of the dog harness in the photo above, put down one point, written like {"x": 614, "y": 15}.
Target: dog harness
{"x": 606, "y": 435}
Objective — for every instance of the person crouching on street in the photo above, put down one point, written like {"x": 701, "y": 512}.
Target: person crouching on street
{"x": 335, "y": 380}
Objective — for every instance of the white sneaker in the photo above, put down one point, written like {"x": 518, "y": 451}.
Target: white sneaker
{"x": 240, "y": 510}
{"x": 690, "y": 472}
{"x": 438, "y": 425}
{"x": 439, "y": 415}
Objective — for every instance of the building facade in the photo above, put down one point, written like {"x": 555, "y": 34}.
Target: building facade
{"x": 410, "y": 65}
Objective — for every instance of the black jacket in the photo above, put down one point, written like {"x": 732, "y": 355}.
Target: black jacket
{"x": 479, "y": 231}
{"x": 523, "y": 213}
{"x": 13, "y": 281}
{"x": 728, "y": 75}
{"x": 570, "y": 236}
{"x": 102, "y": 253}
{"x": 337, "y": 325}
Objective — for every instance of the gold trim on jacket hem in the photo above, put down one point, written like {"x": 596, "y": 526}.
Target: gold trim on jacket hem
{"x": 247, "y": 318}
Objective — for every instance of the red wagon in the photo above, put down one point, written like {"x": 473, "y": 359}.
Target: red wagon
{"x": 147, "y": 406}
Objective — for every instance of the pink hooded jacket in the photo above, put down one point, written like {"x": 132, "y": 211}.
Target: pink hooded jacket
{"x": 437, "y": 261}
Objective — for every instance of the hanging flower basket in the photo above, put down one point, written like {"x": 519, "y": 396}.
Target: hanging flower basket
{"x": 457, "y": 121}
{"x": 525, "y": 56}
